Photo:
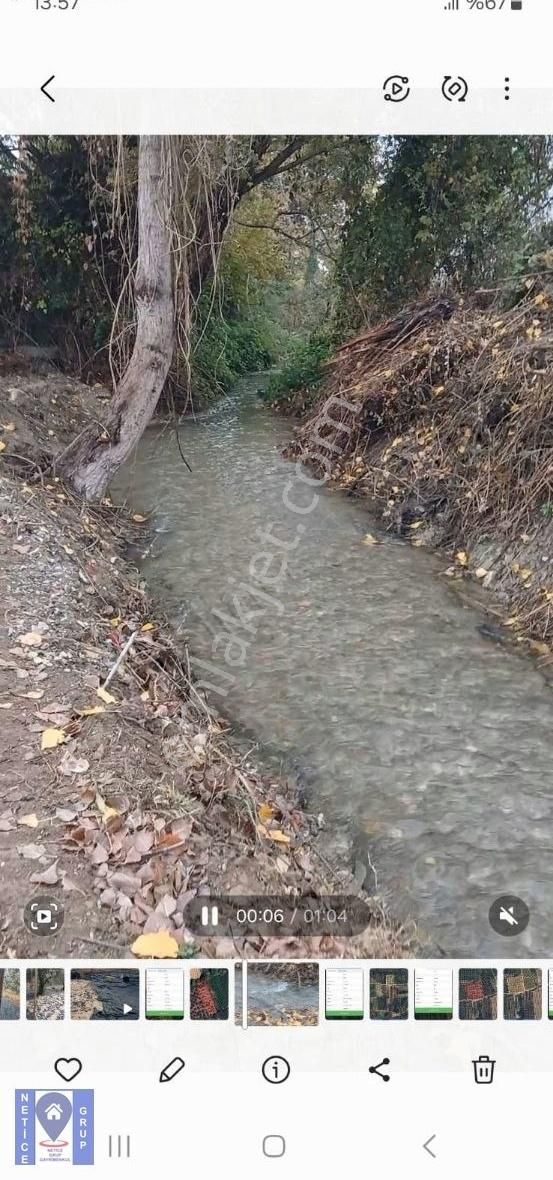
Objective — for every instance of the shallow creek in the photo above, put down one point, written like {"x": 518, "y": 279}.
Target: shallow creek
{"x": 425, "y": 744}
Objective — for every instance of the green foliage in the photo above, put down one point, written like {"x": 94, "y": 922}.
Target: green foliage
{"x": 364, "y": 226}
{"x": 227, "y": 347}
{"x": 239, "y": 325}
{"x": 449, "y": 210}
{"x": 55, "y": 294}
{"x": 303, "y": 368}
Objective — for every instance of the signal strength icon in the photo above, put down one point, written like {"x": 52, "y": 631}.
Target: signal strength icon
{"x": 453, "y": 6}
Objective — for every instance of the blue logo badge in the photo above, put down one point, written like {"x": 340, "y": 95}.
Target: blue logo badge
{"x": 54, "y": 1126}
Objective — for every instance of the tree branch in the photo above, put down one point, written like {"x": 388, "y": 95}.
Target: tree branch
{"x": 275, "y": 166}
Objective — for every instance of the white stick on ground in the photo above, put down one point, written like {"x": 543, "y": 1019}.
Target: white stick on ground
{"x": 120, "y": 659}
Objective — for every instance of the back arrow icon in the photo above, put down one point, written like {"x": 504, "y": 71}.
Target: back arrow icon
{"x": 44, "y": 90}
{"x": 427, "y": 1148}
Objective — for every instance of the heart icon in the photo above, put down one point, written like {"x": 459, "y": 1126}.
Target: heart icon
{"x": 68, "y": 1068}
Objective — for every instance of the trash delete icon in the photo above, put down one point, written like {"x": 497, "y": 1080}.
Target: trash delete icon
{"x": 483, "y": 1071}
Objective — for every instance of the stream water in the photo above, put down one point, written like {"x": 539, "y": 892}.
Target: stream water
{"x": 418, "y": 737}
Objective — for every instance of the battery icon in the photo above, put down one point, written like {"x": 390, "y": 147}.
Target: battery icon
{"x": 516, "y": 5}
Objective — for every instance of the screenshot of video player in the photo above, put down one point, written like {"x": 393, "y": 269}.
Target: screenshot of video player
{"x": 276, "y": 579}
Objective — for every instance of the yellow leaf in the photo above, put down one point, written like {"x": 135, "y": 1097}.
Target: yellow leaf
{"x": 107, "y": 812}
{"x": 156, "y": 946}
{"x": 9, "y": 427}
{"x": 525, "y": 573}
{"x": 416, "y": 524}
{"x": 138, "y": 519}
{"x": 105, "y": 696}
{"x": 481, "y": 572}
{"x": 280, "y": 837}
{"x": 368, "y": 539}
{"x": 438, "y": 389}
{"x": 2, "y": 446}
{"x": 540, "y": 649}
{"x": 147, "y": 627}
{"x": 265, "y": 812}
{"x": 462, "y": 557}
{"x": 52, "y": 738}
{"x": 28, "y": 821}
{"x": 92, "y": 711}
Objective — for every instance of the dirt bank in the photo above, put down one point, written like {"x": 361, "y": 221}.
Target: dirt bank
{"x": 122, "y": 801}
{"x": 442, "y": 418}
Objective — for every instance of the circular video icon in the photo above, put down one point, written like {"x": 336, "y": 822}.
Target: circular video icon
{"x": 509, "y": 915}
{"x": 396, "y": 88}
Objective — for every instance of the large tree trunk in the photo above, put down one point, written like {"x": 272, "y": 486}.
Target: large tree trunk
{"x": 92, "y": 460}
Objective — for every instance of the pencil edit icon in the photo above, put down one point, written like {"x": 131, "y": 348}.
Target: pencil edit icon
{"x": 171, "y": 1070}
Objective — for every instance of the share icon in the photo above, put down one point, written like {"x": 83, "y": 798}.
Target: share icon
{"x": 385, "y": 1077}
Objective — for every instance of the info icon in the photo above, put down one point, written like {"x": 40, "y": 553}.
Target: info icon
{"x": 509, "y": 915}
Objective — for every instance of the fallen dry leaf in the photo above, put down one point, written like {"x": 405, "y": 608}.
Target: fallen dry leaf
{"x": 28, "y": 821}
{"x": 540, "y": 649}
{"x": 52, "y": 738}
{"x": 30, "y": 639}
{"x": 166, "y": 906}
{"x": 106, "y": 696}
{"x": 280, "y": 837}
{"x": 93, "y": 711}
{"x": 138, "y": 518}
{"x": 170, "y": 840}
{"x": 70, "y": 886}
{"x": 368, "y": 539}
{"x": 31, "y": 851}
{"x": 160, "y": 945}
{"x": 66, "y": 814}
{"x": 265, "y": 812}
{"x": 48, "y": 877}
{"x": 72, "y": 765}
{"x": 105, "y": 810}
{"x": 99, "y": 855}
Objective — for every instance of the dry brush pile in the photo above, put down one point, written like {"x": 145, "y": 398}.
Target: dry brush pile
{"x": 443, "y": 416}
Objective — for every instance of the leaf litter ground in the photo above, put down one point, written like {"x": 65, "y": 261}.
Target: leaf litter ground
{"x": 124, "y": 799}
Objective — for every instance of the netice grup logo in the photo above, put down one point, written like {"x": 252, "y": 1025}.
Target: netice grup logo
{"x": 54, "y": 1126}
